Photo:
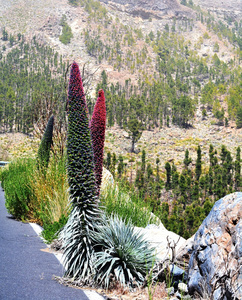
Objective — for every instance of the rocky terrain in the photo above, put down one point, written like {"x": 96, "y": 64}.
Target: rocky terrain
{"x": 153, "y": 8}
{"x": 231, "y": 8}
{"x": 215, "y": 263}
{"x": 42, "y": 19}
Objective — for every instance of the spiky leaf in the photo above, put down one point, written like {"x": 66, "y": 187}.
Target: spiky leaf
{"x": 124, "y": 253}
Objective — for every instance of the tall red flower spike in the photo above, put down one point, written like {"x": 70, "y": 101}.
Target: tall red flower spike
{"x": 77, "y": 242}
{"x": 97, "y": 126}
{"x": 80, "y": 163}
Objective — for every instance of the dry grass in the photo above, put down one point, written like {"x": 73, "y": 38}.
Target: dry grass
{"x": 50, "y": 190}
{"x": 14, "y": 145}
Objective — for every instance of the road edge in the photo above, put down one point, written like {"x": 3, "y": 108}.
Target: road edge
{"x": 91, "y": 295}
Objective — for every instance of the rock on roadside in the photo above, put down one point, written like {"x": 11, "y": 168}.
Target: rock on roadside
{"x": 215, "y": 263}
{"x": 158, "y": 237}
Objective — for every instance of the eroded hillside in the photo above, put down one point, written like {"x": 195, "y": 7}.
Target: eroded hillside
{"x": 144, "y": 45}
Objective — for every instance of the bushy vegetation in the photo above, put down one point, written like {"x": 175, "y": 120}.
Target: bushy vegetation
{"x": 34, "y": 195}
{"x": 126, "y": 203}
{"x": 15, "y": 182}
{"x": 93, "y": 7}
{"x": 66, "y": 34}
{"x": 50, "y": 193}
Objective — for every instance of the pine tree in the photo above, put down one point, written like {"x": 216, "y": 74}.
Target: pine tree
{"x": 108, "y": 161}
{"x": 223, "y": 154}
{"x": 239, "y": 117}
{"x": 187, "y": 160}
{"x": 182, "y": 185}
{"x": 228, "y": 166}
{"x": 5, "y": 35}
{"x": 203, "y": 186}
{"x": 143, "y": 162}
{"x": 149, "y": 172}
{"x": 158, "y": 180}
{"x": 237, "y": 169}
{"x": 113, "y": 164}
{"x": 157, "y": 169}
{"x": 198, "y": 169}
{"x": 120, "y": 166}
{"x": 140, "y": 182}
{"x": 210, "y": 178}
{"x": 188, "y": 183}
{"x": 134, "y": 128}
{"x": 218, "y": 186}
{"x": 168, "y": 175}
{"x": 211, "y": 155}
{"x": 195, "y": 191}
{"x": 175, "y": 178}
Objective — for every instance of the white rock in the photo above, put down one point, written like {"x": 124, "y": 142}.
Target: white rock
{"x": 107, "y": 180}
{"x": 182, "y": 287}
{"x": 157, "y": 237}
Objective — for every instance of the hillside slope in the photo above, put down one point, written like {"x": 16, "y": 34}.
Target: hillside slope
{"x": 126, "y": 33}
{"x": 42, "y": 19}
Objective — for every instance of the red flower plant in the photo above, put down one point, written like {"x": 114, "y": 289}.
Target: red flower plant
{"x": 80, "y": 164}
{"x": 97, "y": 126}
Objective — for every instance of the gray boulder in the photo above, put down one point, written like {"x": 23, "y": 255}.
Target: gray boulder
{"x": 215, "y": 270}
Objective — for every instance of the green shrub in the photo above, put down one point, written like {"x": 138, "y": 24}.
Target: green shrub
{"x": 15, "y": 181}
{"x": 127, "y": 205}
{"x": 51, "y": 231}
{"x": 66, "y": 34}
{"x": 124, "y": 253}
{"x": 32, "y": 195}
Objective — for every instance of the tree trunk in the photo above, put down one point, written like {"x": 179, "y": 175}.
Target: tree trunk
{"x": 132, "y": 146}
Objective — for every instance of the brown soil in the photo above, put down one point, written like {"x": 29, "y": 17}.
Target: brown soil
{"x": 119, "y": 293}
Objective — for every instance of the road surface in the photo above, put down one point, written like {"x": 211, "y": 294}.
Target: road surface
{"x": 26, "y": 270}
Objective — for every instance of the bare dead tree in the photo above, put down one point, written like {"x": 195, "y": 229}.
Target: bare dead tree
{"x": 160, "y": 267}
{"x": 87, "y": 78}
{"x": 46, "y": 106}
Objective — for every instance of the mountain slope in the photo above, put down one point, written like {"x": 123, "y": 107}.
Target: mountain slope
{"x": 155, "y": 8}
{"x": 162, "y": 50}
{"x": 42, "y": 19}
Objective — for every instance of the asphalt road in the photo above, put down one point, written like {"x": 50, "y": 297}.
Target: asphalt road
{"x": 26, "y": 271}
